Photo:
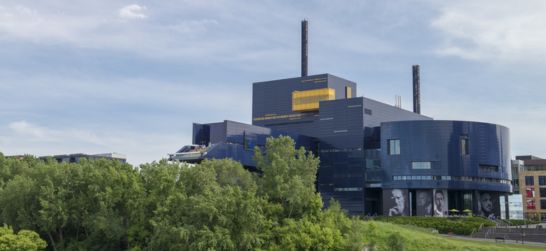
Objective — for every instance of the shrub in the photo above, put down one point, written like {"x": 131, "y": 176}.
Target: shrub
{"x": 455, "y": 225}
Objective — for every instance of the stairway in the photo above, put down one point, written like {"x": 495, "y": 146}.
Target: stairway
{"x": 512, "y": 233}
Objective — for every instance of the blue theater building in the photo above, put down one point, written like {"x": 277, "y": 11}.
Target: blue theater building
{"x": 375, "y": 158}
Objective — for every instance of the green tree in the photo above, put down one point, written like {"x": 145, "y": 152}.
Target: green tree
{"x": 215, "y": 205}
{"x": 288, "y": 177}
{"x": 91, "y": 205}
{"x": 217, "y": 210}
{"x": 24, "y": 240}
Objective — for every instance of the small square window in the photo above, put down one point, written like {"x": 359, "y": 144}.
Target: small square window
{"x": 529, "y": 180}
{"x": 542, "y": 192}
{"x": 542, "y": 180}
{"x": 394, "y": 146}
{"x": 348, "y": 92}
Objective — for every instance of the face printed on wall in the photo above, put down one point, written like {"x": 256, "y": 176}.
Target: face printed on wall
{"x": 488, "y": 204}
{"x": 394, "y": 202}
{"x": 399, "y": 201}
{"x": 424, "y": 202}
{"x": 440, "y": 203}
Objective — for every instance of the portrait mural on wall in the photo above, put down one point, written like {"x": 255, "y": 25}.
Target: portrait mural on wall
{"x": 395, "y": 202}
{"x": 424, "y": 203}
{"x": 440, "y": 203}
{"x": 488, "y": 204}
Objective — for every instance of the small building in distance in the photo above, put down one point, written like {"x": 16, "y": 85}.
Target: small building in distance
{"x": 76, "y": 157}
{"x": 532, "y": 186}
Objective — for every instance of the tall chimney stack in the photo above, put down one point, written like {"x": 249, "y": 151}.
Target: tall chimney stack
{"x": 416, "y": 90}
{"x": 304, "y": 48}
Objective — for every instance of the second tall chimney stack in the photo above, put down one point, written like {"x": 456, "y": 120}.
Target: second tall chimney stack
{"x": 416, "y": 90}
{"x": 304, "y": 48}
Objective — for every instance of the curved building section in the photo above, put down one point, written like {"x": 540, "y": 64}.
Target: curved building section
{"x": 459, "y": 165}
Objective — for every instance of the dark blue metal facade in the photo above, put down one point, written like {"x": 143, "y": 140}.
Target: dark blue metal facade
{"x": 272, "y": 101}
{"x": 229, "y": 139}
{"x": 351, "y": 137}
{"x": 485, "y": 165}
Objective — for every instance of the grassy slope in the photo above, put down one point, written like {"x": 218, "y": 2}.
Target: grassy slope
{"x": 420, "y": 239}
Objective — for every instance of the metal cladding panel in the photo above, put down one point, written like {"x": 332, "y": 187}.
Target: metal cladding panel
{"x": 341, "y": 139}
{"x": 201, "y": 134}
{"x": 237, "y": 140}
{"x": 245, "y": 134}
{"x": 217, "y": 132}
{"x": 484, "y": 167}
{"x": 235, "y": 152}
{"x": 275, "y": 97}
{"x": 341, "y": 123}
{"x": 272, "y": 100}
{"x": 377, "y": 113}
{"x": 339, "y": 85}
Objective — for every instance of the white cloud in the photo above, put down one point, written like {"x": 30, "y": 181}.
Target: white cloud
{"x": 37, "y": 133}
{"x": 24, "y": 128}
{"x": 493, "y": 30}
{"x": 133, "y": 11}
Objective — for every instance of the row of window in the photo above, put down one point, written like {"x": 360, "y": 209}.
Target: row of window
{"x": 339, "y": 150}
{"x": 458, "y": 178}
{"x": 530, "y": 180}
{"x": 531, "y": 204}
{"x": 530, "y": 192}
{"x": 393, "y": 146}
{"x": 489, "y": 168}
{"x": 348, "y": 189}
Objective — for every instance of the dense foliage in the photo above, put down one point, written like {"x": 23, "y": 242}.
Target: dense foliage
{"x": 24, "y": 240}
{"x": 455, "y": 225}
{"x": 216, "y": 205}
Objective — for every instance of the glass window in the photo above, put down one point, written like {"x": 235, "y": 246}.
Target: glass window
{"x": 467, "y": 200}
{"x": 489, "y": 168}
{"x": 542, "y": 192}
{"x": 529, "y": 181}
{"x": 394, "y": 146}
{"x": 542, "y": 180}
{"x": 420, "y": 165}
{"x": 348, "y": 92}
{"x": 542, "y": 204}
{"x": 464, "y": 145}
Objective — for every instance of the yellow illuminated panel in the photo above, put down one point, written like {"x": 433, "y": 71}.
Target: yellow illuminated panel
{"x": 309, "y": 100}
{"x": 348, "y": 92}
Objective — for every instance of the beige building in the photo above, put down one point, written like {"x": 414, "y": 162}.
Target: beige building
{"x": 532, "y": 186}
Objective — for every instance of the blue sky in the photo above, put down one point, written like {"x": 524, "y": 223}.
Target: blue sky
{"x": 132, "y": 76}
